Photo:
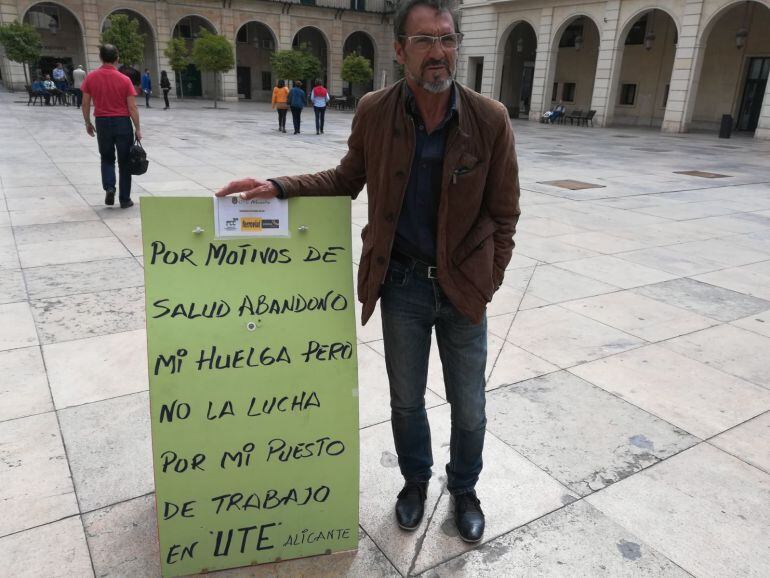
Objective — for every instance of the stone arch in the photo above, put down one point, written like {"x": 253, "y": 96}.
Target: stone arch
{"x": 631, "y": 20}
{"x": 644, "y": 71}
{"x": 561, "y": 28}
{"x": 319, "y": 45}
{"x": 356, "y": 42}
{"x": 56, "y": 19}
{"x": 736, "y": 77}
{"x": 714, "y": 18}
{"x": 195, "y": 18}
{"x": 255, "y": 43}
{"x": 150, "y": 46}
{"x": 517, "y": 53}
{"x": 192, "y": 82}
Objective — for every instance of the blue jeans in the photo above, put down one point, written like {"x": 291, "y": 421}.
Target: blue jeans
{"x": 320, "y": 112}
{"x": 411, "y": 306}
{"x": 115, "y": 133}
{"x": 296, "y": 114}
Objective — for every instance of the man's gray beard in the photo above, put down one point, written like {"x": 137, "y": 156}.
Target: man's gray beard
{"x": 437, "y": 86}
{"x": 434, "y": 86}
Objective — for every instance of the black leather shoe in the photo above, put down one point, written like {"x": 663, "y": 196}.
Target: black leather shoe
{"x": 126, "y": 204}
{"x": 109, "y": 197}
{"x": 410, "y": 505}
{"x": 469, "y": 517}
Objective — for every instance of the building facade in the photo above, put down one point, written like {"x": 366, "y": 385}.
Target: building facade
{"x": 675, "y": 64}
{"x": 331, "y": 29}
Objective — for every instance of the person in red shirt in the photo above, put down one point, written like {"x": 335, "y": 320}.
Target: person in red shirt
{"x": 115, "y": 111}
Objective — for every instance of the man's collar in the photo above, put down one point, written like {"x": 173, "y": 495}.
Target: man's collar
{"x": 411, "y": 103}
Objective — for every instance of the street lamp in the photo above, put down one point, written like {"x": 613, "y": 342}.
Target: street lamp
{"x": 578, "y": 24}
{"x": 743, "y": 31}
{"x": 649, "y": 38}
{"x": 740, "y": 38}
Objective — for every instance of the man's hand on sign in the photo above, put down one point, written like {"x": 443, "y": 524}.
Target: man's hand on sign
{"x": 249, "y": 189}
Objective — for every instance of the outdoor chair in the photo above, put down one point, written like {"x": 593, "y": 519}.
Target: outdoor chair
{"x": 336, "y": 101}
{"x": 343, "y": 102}
{"x": 575, "y": 115}
{"x": 587, "y": 117}
{"x": 33, "y": 96}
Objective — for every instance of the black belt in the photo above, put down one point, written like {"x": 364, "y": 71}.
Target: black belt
{"x": 420, "y": 267}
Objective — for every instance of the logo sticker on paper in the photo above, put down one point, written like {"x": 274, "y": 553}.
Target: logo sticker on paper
{"x": 236, "y": 217}
{"x": 251, "y": 224}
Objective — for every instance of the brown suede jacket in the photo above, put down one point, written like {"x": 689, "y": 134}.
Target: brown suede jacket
{"x": 479, "y": 201}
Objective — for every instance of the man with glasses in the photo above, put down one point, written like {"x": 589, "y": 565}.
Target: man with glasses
{"x": 440, "y": 168}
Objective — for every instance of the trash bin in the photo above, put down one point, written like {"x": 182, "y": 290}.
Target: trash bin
{"x": 726, "y": 128}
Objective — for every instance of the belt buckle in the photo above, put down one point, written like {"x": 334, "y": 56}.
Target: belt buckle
{"x": 432, "y": 273}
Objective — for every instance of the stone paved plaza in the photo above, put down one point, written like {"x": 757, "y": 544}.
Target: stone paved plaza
{"x": 628, "y": 371}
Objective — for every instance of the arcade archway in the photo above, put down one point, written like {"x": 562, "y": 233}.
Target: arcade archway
{"x": 254, "y": 46}
{"x": 192, "y": 82}
{"x": 648, "y": 45}
{"x": 518, "y": 69}
{"x": 735, "y": 67}
{"x": 360, "y": 43}
{"x": 61, "y": 36}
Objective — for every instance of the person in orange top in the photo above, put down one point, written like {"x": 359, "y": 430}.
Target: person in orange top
{"x": 281, "y": 104}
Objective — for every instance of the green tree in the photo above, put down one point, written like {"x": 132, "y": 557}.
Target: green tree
{"x": 356, "y": 69}
{"x": 213, "y": 53}
{"x": 296, "y": 64}
{"x": 178, "y": 57}
{"x": 123, "y": 33}
{"x": 22, "y": 44}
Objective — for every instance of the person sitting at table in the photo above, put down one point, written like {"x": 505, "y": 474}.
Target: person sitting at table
{"x": 38, "y": 89}
{"x": 558, "y": 111}
{"x": 51, "y": 88}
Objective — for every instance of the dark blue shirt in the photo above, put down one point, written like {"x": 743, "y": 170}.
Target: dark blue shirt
{"x": 416, "y": 229}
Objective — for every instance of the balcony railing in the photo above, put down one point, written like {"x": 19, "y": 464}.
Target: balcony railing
{"x": 378, "y": 6}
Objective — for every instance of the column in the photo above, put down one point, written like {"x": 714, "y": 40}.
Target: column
{"x": 228, "y": 81}
{"x": 13, "y": 72}
{"x": 545, "y": 64}
{"x": 607, "y": 66}
{"x": 91, "y": 33}
{"x": 334, "y": 56}
{"x": 162, "y": 37}
{"x": 763, "y": 128}
{"x": 285, "y": 32}
{"x": 683, "y": 89}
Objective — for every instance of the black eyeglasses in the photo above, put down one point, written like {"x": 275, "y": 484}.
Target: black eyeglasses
{"x": 424, "y": 43}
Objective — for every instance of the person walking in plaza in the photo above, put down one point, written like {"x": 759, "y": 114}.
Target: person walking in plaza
{"x": 78, "y": 76}
{"x": 439, "y": 164}
{"x": 320, "y": 97}
{"x": 165, "y": 86}
{"x": 297, "y": 101}
{"x": 281, "y": 104}
{"x": 147, "y": 87}
{"x": 115, "y": 112}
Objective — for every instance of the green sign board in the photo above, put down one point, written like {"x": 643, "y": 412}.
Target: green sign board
{"x": 253, "y": 386}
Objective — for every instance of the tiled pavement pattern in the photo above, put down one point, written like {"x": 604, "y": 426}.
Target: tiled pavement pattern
{"x": 629, "y": 362}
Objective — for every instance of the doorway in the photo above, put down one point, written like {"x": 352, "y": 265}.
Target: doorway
{"x": 753, "y": 93}
{"x": 244, "y": 81}
{"x": 190, "y": 79}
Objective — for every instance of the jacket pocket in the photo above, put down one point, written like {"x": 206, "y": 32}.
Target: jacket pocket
{"x": 474, "y": 257}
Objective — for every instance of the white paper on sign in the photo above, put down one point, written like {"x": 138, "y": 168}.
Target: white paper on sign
{"x": 236, "y": 217}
